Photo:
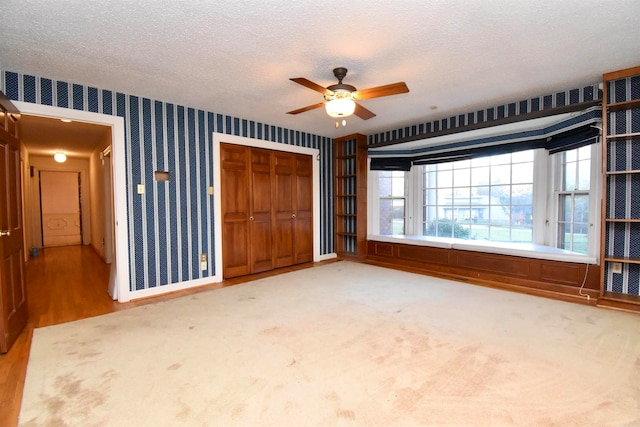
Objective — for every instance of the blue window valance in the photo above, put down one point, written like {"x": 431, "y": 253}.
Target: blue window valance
{"x": 555, "y": 133}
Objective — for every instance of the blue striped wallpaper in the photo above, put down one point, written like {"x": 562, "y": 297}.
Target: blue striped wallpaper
{"x": 173, "y": 223}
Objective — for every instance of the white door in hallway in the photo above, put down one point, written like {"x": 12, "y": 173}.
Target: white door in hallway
{"x": 60, "y": 205}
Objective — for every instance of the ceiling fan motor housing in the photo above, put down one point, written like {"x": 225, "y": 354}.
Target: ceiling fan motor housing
{"x": 340, "y": 74}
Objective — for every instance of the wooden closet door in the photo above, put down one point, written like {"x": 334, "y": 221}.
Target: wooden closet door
{"x": 234, "y": 175}
{"x": 260, "y": 211}
{"x": 283, "y": 207}
{"x": 303, "y": 209}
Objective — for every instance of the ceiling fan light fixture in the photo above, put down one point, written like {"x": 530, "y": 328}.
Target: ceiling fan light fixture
{"x": 60, "y": 157}
{"x": 341, "y": 104}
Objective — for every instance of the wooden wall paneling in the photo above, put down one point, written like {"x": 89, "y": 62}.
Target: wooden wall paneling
{"x": 560, "y": 280}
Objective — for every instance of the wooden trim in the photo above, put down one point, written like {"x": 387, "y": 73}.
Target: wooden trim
{"x": 552, "y": 279}
{"x": 623, "y": 302}
{"x": 620, "y": 74}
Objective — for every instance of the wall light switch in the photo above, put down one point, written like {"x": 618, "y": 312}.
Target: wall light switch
{"x": 210, "y": 190}
{"x": 140, "y": 188}
{"x": 203, "y": 262}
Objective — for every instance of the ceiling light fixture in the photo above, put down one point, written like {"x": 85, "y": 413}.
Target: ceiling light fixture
{"x": 60, "y": 157}
{"x": 340, "y": 104}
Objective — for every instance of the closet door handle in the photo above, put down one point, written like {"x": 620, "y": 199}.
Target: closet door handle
{"x": 293, "y": 215}
{"x": 5, "y": 233}
{"x": 251, "y": 218}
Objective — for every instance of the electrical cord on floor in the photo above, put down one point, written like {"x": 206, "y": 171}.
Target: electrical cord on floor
{"x": 583, "y": 282}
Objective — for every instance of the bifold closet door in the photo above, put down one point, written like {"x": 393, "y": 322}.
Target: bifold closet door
{"x": 303, "y": 209}
{"x": 267, "y": 200}
{"x": 293, "y": 209}
{"x": 234, "y": 174}
{"x": 260, "y": 211}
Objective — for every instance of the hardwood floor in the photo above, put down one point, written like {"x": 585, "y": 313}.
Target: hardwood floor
{"x": 66, "y": 284}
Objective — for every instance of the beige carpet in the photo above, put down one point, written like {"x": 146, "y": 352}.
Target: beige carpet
{"x": 343, "y": 344}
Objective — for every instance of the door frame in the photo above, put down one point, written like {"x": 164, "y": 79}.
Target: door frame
{"x": 121, "y": 260}
{"x": 276, "y": 146}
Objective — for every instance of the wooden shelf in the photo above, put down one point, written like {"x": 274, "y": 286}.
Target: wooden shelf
{"x": 347, "y": 234}
{"x": 625, "y": 260}
{"x": 626, "y": 105}
{"x": 619, "y": 301}
{"x": 623, "y": 172}
{"x": 622, "y": 220}
{"x": 623, "y": 135}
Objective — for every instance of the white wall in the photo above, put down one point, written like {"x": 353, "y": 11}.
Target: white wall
{"x": 96, "y": 179}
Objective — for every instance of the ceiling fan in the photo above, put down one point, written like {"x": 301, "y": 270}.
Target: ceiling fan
{"x": 340, "y": 99}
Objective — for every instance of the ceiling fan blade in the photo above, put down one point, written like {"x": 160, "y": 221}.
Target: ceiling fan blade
{"x": 386, "y": 90}
{"x": 363, "y": 113}
{"x": 307, "y": 108}
{"x": 311, "y": 85}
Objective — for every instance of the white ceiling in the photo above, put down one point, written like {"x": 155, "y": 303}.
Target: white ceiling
{"x": 236, "y": 57}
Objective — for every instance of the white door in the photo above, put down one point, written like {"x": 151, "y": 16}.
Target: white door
{"x": 60, "y": 204}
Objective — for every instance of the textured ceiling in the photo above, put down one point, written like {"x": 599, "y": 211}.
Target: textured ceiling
{"x": 236, "y": 57}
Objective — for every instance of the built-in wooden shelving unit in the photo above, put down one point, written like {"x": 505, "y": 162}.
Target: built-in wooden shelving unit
{"x": 620, "y": 243}
{"x": 351, "y": 196}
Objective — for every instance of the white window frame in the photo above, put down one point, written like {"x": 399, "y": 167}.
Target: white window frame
{"x": 545, "y": 225}
{"x": 595, "y": 196}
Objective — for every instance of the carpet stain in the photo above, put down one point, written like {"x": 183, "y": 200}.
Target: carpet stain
{"x": 185, "y": 411}
{"x": 271, "y": 331}
{"x": 237, "y": 411}
{"x": 346, "y": 413}
{"x": 406, "y": 399}
{"x": 174, "y": 367}
{"x": 333, "y": 396}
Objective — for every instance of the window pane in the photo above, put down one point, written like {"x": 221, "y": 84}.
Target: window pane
{"x": 565, "y": 208}
{"x": 522, "y": 194}
{"x": 500, "y": 174}
{"x": 584, "y": 174}
{"x": 480, "y": 175}
{"x": 522, "y": 173}
{"x": 522, "y": 156}
{"x": 386, "y": 217}
{"x": 584, "y": 152}
{"x": 397, "y": 187}
{"x": 398, "y": 216}
{"x": 445, "y": 178}
{"x": 581, "y": 208}
{"x": 462, "y": 178}
{"x": 569, "y": 177}
{"x": 481, "y": 161}
{"x": 502, "y": 159}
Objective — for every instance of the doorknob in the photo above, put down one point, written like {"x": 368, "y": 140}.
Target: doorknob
{"x": 5, "y": 233}
{"x": 293, "y": 215}
{"x": 251, "y": 218}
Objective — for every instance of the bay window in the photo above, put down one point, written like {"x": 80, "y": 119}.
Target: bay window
{"x": 527, "y": 187}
